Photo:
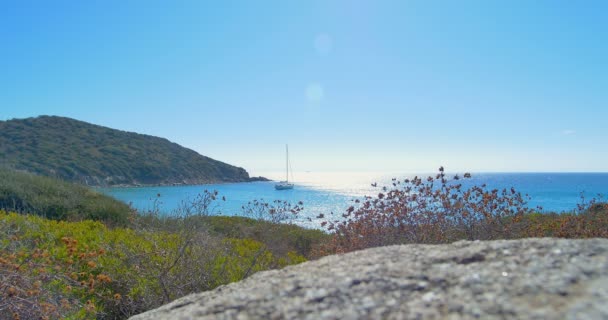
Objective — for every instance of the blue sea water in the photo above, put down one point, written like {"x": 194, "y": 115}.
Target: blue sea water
{"x": 326, "y": 192}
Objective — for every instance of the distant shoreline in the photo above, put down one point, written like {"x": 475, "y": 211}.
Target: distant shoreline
{"x": 178, "y": 184}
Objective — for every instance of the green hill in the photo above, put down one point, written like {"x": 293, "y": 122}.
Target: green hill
{"x": 81, "y": 152}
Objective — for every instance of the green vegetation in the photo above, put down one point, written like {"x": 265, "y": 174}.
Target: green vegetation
{"x": 55, "y": 199}
{"x": 279, "y": 238}
{"x": 126, "y": 263}
{"x": 86, "y": 270}
{"x": 77, "y": 151}
{"x": 68, "y": 251}
{"x": 588, "y": 222}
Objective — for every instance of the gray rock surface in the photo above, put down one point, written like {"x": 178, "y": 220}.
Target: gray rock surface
{"x": 515, "y": 279}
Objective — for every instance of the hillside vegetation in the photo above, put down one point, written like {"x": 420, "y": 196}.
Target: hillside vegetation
{"x": 81, "y": 152}
{"x": 84, "y": 270}
{"x": 67, "y": 251}
{"x": 55, "y": 269}
{"x": 439, "y": 209}
{"x": 58, "y": 200}
{"x": 130, "y": 262}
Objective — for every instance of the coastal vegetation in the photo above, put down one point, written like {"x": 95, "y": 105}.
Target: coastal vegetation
{"x": 58, "y": 200}
{"x": 440, "y": 209}
{"x": 84, "y": 269}
{"x": 87, "y": 269}
{"x": 69, "y": 252}
{"x": 93, "y": 155}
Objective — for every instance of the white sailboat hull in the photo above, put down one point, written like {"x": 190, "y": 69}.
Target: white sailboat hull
{"x": 283, "y": 185}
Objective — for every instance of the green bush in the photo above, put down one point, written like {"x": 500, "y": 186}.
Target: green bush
{"x": 587, "y": 222}
{"x": 279, "y": 238}
{"x": 84, "y": 269}
{"x": 58, "y": 200}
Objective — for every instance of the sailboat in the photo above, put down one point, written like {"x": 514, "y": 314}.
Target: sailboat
{"x": 285, "y": 185}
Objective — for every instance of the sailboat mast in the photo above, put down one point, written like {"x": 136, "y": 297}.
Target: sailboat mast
{"x": 286, "y": 163}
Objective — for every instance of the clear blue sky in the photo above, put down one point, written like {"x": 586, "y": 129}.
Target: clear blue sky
{"x": 350, "y": 85}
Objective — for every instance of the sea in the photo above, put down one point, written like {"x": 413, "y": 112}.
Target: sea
{"x": 331, "y": 193}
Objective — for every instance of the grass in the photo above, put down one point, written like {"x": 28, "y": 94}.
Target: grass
{"x": 280, "y": 238}
{"x": 58, "y": 200}
{"x": 85, "y": 269}
{"x": 592, "y": 222}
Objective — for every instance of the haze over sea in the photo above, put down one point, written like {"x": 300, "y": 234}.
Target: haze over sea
{"x": 325, "y": 192}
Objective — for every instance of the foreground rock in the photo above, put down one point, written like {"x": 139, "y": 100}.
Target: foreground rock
{"x": 525, "y": 279}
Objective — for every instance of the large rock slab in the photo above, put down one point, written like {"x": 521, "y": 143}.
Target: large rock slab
{"x": 514, "y": 279}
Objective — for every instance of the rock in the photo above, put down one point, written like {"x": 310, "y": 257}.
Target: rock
{"x": 515, "y": 279}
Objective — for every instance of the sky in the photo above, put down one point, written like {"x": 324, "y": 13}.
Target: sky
{"x": 384, "y": 86}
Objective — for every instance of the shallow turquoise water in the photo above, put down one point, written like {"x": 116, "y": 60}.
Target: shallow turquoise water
{"x": 334, "y": 192}
{"x": 236, "y": 195}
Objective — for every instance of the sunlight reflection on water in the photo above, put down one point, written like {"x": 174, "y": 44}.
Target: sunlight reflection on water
{"x": 326, "y": 192}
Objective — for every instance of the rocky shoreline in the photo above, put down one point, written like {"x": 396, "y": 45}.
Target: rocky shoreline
{"x": 138, "y": 185}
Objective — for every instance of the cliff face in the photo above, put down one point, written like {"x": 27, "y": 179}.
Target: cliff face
{"x": 516, "y": 279}
{"x": 81, "y": 152}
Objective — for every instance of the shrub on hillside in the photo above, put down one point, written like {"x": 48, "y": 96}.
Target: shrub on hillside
{"x": 280, "y": 238}
{"x": 51, "y": 269}
{"x": 589, "y": 220}
{"x": 277, "y": 211}
{"x": 91, "y": 271}
{"x": 276, "y": 228}
{"x": 58, "y": 200}
{"x": 428, "y": 210}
